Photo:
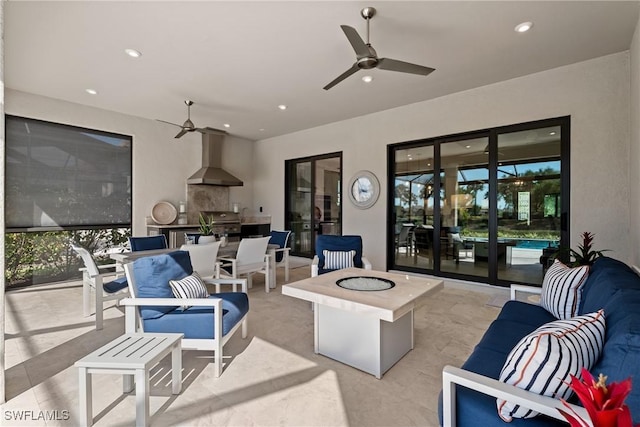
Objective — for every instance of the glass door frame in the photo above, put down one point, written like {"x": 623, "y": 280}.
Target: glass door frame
{"x": 565, "y": 125}
{"x": 287, "y": 203}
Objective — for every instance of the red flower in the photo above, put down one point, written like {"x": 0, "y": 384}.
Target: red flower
{"x": 605, "y": 404}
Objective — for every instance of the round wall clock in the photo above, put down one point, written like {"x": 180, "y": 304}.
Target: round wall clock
{"x": 364, "y": 189}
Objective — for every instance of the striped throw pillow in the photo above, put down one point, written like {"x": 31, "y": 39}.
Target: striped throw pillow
{"x": 190, "y": 287}
{"x": 337, "y": 260}
{"x": 543, "y": 361}
{"x": 562, "y": 289}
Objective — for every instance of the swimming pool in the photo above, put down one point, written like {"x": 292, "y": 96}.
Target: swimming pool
{"x": 535, "y": 244}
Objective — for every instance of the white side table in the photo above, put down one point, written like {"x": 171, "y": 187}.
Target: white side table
{"x": 131, "y": 355}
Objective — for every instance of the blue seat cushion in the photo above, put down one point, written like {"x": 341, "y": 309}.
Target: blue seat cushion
{"x": 338, "y": 243}
{"x": 152, "y": 275}
{"x": 199, "y": 322}
{"x": 475, "y": 409}
{"x": 522, "y": 312}
{"x": 516, "y": 319}
{"x": 115, "y": 285}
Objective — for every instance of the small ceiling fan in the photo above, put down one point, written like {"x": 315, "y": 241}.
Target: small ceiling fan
{"x": 188, "y": 125}
{"x": 367, "y": 58}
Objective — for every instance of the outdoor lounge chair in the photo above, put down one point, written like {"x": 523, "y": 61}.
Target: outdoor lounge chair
{"x": 206, "y": 322}
{"x": 94, "y": 278}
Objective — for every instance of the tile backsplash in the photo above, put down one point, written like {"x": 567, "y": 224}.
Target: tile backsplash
{"x": 206, "y": 198}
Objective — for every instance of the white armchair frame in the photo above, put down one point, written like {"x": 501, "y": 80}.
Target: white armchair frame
{"x": 93, "y": 277}
{"x": 452, "y": 376}
{"x": 133, "y": 322}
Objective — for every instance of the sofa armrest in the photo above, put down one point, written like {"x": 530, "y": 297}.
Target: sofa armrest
{"x": 314, "y": 266}
{"x": 524, "y": 288}
{"x": 452, "y": 376}
{"x": 366, "y": 264}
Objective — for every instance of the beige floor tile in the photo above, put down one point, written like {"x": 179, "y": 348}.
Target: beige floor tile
{"x": 272, "y": 378}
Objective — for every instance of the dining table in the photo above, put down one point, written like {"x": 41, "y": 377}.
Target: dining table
{"x": 228, "y": 251}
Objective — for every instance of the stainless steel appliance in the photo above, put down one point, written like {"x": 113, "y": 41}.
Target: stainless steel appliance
{"x": 224, "y": 222}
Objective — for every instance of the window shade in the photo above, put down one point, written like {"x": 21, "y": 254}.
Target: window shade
{"x": 60, "y": 176}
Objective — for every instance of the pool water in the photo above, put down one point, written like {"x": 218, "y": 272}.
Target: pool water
{"x": 535, "y": 244}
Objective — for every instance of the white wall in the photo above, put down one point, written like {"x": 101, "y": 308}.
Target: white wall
{"x": 161, "y": 164}
{"x": 634, "y": 153}
{"x": 594, "y": 93}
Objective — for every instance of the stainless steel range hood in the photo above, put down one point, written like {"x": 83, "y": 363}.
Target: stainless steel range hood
{"x": 211, "y": 172}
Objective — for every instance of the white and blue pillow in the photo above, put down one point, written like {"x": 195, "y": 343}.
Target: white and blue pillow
{"x": 191, "y": 286}
{"x": 562, "y": 289}
{"x": 543, "y": 361}
{"x": 337, "y": 260}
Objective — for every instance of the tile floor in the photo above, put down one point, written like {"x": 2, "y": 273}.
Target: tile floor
{"x": 272, "y": 378}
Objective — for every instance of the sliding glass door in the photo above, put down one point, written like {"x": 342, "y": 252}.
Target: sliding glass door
{"x": 312, "y": 200}
{"x": 483, "y": 206}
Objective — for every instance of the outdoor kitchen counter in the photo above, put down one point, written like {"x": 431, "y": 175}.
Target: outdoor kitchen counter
{"x": 255, "y": 220}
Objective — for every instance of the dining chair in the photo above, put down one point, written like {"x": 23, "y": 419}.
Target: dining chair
{"x": 281, "y": 255}
{"x": 405, "y": 239}
{"x": 147, "y": 243}
{"x": 94, "y": 279}
{"x": 251, "y": 258}
{"x": 204, "y": 260}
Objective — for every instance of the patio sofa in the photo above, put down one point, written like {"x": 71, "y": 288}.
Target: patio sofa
{"x": 469, "y": 393}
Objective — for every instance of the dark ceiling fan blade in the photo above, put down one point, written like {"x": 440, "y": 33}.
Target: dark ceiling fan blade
{"x": 403, "y": 67}
{"x": 362, "y": 50}
{"x": 182, "y": 132}
{"x": 169, "y": 123}
{"x": 342, "y": 76}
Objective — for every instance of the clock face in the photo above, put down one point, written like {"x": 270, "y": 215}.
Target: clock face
{"x": 362, "y": 189}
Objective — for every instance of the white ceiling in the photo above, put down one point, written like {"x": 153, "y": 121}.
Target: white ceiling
{"x": 239, "y": 60}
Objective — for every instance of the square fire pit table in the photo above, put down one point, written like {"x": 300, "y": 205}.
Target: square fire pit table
{"x": 368, "y": 329}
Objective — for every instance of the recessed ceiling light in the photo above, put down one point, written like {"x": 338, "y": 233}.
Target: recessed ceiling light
{"x": 227, "y": 125}
{"x": 91, "y": 91}
{"x": 467, "y": 146}
{"x": 367, "y": 79}
{"x": 133, "y": 53}
{"x": 523, "y": 27}
{"x": 282, "y": 107}
{"x": 552, "y": 133}
{"x": 261, "y": 129}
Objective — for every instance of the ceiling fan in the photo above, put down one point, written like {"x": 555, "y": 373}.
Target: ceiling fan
{"x": 188, "y": 125}
{"x": 367, "y": 58}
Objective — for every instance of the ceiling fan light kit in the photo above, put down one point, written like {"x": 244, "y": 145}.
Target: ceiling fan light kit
{"x": 367, "y": 58}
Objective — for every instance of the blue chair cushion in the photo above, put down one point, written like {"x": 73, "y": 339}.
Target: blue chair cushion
{"x": 338, "y": 243}
{"x": 194, "y": 236}
{"x": 152, "y": 275}
{"x": 148, "y": 243}
{"x": 199, "y": 322}
{"x": 279, "y": 238}
{"x": 115, "y": 285}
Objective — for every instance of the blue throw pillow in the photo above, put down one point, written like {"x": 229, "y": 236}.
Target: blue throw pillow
{"x": 152, "y": 275}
